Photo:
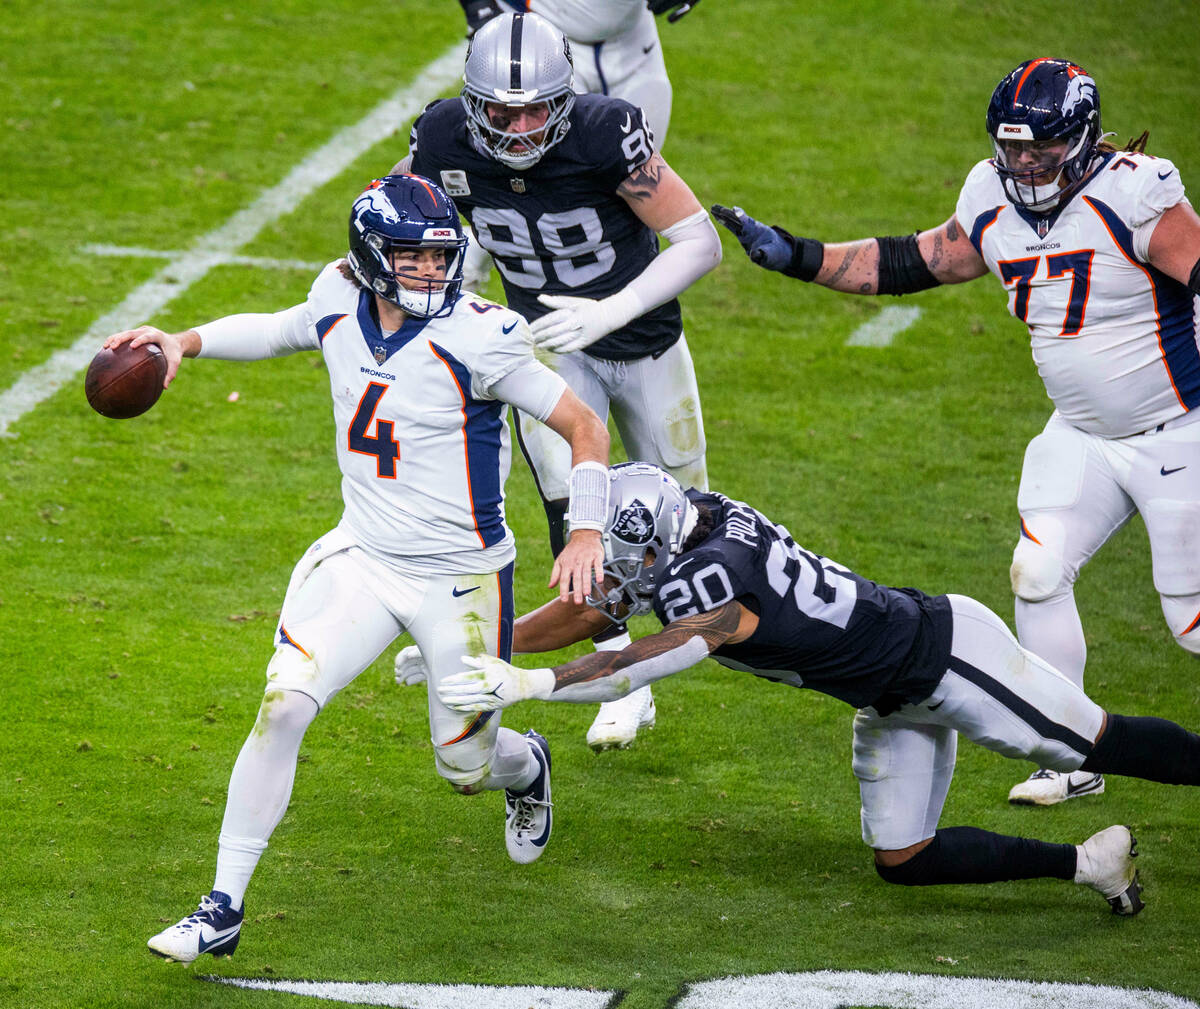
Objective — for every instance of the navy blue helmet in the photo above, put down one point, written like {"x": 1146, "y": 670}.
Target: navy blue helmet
{"x": 406, "y": 212}
{"x": 1044, "y": 122}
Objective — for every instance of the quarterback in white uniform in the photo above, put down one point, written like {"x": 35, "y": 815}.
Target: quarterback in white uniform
{"x": 422, "y": 376}
{"x": 1100, "y": 252}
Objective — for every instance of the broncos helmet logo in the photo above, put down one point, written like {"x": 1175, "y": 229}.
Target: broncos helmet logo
{"x": 375, "y": 201}
{"x": 1080, "y": 89}
{"x": 635, "y": 524}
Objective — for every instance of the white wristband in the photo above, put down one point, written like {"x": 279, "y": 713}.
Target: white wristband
{"x": 587, "y": 506}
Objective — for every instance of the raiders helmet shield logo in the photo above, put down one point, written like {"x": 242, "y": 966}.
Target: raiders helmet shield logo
{"x": 380, "y": 355}
{"x": 635, "y": 524}
{"x": 518, "y": 185}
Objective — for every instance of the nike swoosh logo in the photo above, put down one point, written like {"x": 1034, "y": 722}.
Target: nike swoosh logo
{"x": 646, "y": 49}
{"x": 1163, "y": 471}
{"x": 934, "y": 707}
{"x": 205, "y": 945}
{"x": 456, "y": 593}
{"x": 1163, "y": 175}
{"x": 509, "y": 328}
{"x": 628, "y": 123}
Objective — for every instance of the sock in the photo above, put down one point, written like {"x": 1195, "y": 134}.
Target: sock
{"x": 1150, "y": 748}
{"x": 971, "y": 855}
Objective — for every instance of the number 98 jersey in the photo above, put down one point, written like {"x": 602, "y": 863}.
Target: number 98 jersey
{"x": 560, "y": 226}
{"x": 819, "y": 624}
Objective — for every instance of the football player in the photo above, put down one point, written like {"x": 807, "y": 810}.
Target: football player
{"x": 726, "y": 581}
{"x": 568, "y": 195}
{"x": 422, "y": 377}
{"x": 1100, "y": 252}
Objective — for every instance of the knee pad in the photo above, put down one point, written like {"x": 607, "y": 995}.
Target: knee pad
{"x": 290, "y": 669}
{"x": 1037, "y": 570}
{"x": 284, "y": 712}
{"x": 464, "y": 765}
{"x": 1183, "y": 618}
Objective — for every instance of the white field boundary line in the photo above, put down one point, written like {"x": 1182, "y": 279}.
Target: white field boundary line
{"x": 324, "y": 164}
{"x": 885, "y": 327}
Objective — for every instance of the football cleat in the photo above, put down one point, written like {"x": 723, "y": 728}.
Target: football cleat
{"x": 411, "y": 670}
{"x": 1105, "y": 863}
{"x": 1048, "y": 788}
{"x": 617, "y": 722}
{"x": 529, "y": 814}
{"x": 213, "y": 928}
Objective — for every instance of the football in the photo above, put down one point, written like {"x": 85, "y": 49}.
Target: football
{"x": 127, "y": 381}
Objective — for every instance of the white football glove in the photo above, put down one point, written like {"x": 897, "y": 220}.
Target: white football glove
{"x": 579, "y": 322}
{"x": 411, "y": 670}
{"x": 489, "y": 683}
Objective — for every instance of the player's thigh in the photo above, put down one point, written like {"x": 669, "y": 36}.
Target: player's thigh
{"x": 463, "y": 615}
{"x": 903, "y": 769}
{"x": 1164, "y": 482}
{"x": 331, "y": 628}
{"x": 656, "y": 405}
{"x": 1071, "y": 501}
{"x": 1007, "y": 699}
{"x": 548, "y": 455}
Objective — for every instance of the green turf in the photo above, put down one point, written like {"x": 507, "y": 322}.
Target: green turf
{"x": 142, "y": 563}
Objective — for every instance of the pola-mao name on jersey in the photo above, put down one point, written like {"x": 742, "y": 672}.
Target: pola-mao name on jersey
{"x": 1114, "y": 339}
{"x": 819, "y": 625}
{"x": 558, "y": 227}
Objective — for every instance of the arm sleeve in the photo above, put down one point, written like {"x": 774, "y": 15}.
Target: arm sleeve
{"x": 629, "y": 678}
{"x": 532, "y": 388}
{"x": 255, "y": 336}
{"x": 694, "y": 250}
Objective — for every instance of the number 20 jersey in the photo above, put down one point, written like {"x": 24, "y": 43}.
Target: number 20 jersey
{"x": 559, "y": 227}
{"x": 1114, "y": 340}
{"x": 819, "y": 624}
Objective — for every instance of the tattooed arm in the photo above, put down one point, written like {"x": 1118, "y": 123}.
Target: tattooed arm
{"x": 662, "y": 201}
{"x": 492, "y": 683}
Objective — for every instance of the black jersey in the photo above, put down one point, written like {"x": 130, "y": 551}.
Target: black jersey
{"x": 558, "y": 227}
{"x": 819, "y": 625}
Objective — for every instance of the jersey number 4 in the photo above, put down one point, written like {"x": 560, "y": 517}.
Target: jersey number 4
{"x": 381, "y": 445}
{"x": 1022, "y": 271}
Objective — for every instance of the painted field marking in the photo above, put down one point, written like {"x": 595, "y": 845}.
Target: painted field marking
{"x": 885, "y": 327}
{"x": 136, "y": 252}
{"x": 432, "y": 996}
{"x": 215, "y": 248}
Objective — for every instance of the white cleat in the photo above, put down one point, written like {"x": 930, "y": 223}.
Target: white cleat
{"x": 1105, "y": 863}
{"x": 213, "y": 928}
{"x": 1048, "y": 788}
{"x": 529, "y": 815}
{"x": 617, "y": 722}
{"x": 411, "y": 670}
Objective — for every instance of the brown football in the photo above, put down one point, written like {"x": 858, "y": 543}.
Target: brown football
{"x": 127, "y": 381}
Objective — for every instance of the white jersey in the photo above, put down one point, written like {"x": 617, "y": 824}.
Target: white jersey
{"x": 422, "y": 440}
{"x": 1115, "y": 340}
{"x": 586, "y": 20}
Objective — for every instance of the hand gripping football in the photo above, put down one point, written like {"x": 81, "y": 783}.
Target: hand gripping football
{"x": 127, "y": 381}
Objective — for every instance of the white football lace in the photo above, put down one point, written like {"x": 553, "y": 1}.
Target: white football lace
{"x": 524, "y": 810}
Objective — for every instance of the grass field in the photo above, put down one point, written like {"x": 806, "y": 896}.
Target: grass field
{"x": 142, "y": 563}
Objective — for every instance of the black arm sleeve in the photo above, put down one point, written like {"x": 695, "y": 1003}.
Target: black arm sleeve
{"x": 1194, "y": 279}
{"x": 902, "y": 269}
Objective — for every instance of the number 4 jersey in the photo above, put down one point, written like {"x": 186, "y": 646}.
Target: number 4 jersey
{"x": 819, "y": 625}
{"x": 1114, "y": 340}
{"x": 422, "y": 437}
{"x": 559, "y": 227}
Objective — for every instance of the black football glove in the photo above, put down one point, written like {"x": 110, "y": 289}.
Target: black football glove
{"x": 678, "y": 8}
{"x": 764, "y": 245}
{"x": 479, "y": 13}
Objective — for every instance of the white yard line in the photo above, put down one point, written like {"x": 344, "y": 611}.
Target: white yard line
{"x": 137, "y": 252}
{"x": 885, "y": 327}
{"x": 215, "y": 248}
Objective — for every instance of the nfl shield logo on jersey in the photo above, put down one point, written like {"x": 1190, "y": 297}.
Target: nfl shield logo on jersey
{"x": 380, "y": 355}
{"x": 635, "y": 525}
{"x": 518, "y": 185}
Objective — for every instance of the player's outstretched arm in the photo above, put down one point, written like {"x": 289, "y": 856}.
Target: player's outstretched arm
{"x": 582, "y": 559}
{"x": 489, "y": 683}
{"x": 889, "y": 265}
{"x": 663, "y": 202}
{"x": 175, "y": 346}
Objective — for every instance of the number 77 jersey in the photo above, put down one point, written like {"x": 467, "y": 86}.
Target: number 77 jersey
{"x": 1114, "y": 340}
{"x": 820, "y": 625}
